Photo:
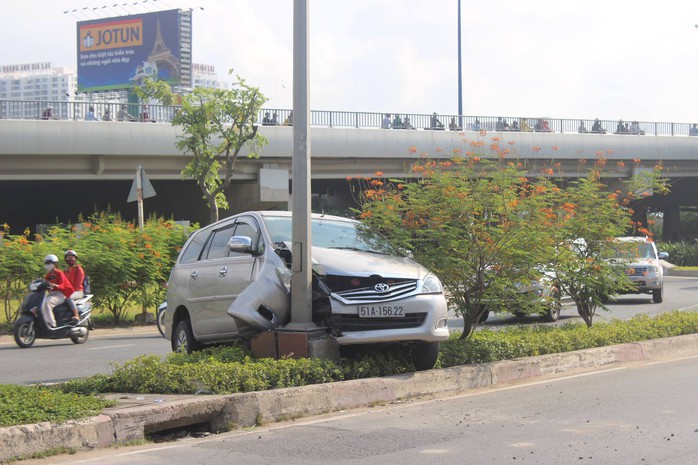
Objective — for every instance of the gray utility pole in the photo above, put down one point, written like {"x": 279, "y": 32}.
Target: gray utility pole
{"x": 301, "y": 280}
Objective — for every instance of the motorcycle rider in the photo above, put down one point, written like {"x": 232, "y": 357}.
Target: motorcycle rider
{"x": 76, "y": 276}
{"x": 60, "y": 289}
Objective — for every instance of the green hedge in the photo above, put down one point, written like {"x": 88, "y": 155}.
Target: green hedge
{"x": 231, "y": 369}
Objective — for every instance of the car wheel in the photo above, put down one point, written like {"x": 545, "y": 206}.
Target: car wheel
{"x": 424, "y": 355}
{"x": 658, "y": 295}
{"x": 183, "y": 338}
{"x": 552, "y": 312}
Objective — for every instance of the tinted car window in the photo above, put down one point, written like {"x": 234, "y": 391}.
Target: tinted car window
{"x": 219, "y": 243}
{"x": 193, "y": 250}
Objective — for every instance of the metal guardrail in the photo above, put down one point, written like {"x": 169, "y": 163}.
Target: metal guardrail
{"x": 77, "y": 110}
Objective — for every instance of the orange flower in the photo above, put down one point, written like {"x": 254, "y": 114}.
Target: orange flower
{"x": 536, "y": 149}
{"x": 636, "y": 160}
{"x": 621, "y": 164}
{"x": 348, "y": 178}
{"x": 413, "y": 149}
{"x": 378, "y": 174}
{"x": 554, "y": 147}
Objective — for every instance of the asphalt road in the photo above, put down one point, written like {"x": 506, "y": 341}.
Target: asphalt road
{"x": 51, "y": 361}
{"x": 636, "y": 413}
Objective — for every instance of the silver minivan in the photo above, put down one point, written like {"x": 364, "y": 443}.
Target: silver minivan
{"x": 232, "y": 280}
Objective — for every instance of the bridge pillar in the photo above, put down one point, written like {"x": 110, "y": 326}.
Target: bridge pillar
{"x": 269, "y": 191}
{"x": 671, "y": 228}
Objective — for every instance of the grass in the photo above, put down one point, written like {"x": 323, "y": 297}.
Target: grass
{"x": 21, "y": 405}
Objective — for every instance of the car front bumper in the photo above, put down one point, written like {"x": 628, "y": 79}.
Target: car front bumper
{"x": 425, "y": 320}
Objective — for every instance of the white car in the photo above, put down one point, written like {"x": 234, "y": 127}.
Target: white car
{"x": 643, "y": 267}
{"x": 232, "y": 280}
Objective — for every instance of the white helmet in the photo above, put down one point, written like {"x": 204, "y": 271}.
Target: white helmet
{"x": 50, "y": 258}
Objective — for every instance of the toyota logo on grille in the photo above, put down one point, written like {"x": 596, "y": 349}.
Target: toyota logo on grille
{"x": 381, "y": 287}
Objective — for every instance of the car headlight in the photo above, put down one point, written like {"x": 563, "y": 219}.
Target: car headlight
{"x": 431, "y": 285}
{"x": 285, "y": 276}
{"x": 652, "y": 269}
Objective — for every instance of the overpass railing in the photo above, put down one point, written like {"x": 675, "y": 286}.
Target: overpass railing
{"x": 77, "y": 110}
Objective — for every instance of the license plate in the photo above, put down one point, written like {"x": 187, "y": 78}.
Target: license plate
{"x": 381, "y": 311}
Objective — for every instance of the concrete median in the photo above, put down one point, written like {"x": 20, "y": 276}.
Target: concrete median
{"x": 139, "y": 415}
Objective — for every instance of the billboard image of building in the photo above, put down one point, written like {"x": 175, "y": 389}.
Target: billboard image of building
{"x": 120, "y": 52}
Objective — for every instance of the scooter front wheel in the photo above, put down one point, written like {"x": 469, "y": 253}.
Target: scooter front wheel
{"x": 25, "y": 335}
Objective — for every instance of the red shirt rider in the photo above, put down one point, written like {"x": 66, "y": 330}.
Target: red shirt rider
{"x": 59, "y": 282}
{"x": 75, "y": 274}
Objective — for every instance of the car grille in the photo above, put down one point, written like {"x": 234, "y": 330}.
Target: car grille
{"x": 394, "y": 291}
{"x": 354, "y": 323}
{"x": 637, "y": 271}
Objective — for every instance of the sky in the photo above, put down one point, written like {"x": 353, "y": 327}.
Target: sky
{"x": 611, "y": 59}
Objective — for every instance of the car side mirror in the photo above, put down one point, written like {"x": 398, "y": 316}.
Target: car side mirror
{"x": 240, "y": 244}
{"x": 664, "y": 255}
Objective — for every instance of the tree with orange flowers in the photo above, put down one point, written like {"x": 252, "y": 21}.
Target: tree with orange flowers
{"x": 479, "y": 224}
{"x": 587, "y": 219}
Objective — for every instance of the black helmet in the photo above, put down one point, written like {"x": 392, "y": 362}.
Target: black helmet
{"x": 70, "y": 252}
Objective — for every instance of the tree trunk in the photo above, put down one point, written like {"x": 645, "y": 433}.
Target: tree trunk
{"x": 213, "y": 212}
{"x": 586, "y": 310}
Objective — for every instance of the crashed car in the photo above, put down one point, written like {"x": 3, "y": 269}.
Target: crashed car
{"x": 232, "y": 280}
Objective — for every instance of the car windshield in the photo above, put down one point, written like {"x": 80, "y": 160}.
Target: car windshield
{"x": 642, "y": 250}
{"x": 331, "y": 234}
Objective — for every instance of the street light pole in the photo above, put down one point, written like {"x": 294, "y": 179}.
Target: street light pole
{"x": 460, "y": 75}
{"x": 301, "y": 280}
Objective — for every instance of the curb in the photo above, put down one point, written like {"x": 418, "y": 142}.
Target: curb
{"x": 136, "y": 417}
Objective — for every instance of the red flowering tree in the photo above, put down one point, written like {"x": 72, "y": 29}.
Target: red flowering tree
{"x": 478, "y": 224}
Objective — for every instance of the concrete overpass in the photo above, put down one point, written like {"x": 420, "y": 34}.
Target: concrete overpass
{"x": 97, "y": 160}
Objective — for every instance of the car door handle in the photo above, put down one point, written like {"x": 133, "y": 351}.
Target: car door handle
{"x": 194, "y": 274}
{"x": 223, "y": 271}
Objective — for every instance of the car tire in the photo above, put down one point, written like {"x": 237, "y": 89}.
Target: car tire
{"x": 552, "y": 312}
{"x": 183, "y": 338}
{"x": 658, "y": 295}
{"x": 424, "y": 355}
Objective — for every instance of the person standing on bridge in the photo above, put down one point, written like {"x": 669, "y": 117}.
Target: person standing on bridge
{"x": 693, "y": 131}
{"x": 124, "y": 115}
{"x": 386, "y": 121}
{"x": 48, "y": 113}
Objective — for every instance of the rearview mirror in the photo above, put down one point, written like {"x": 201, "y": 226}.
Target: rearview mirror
{"x": 240, "y": 244}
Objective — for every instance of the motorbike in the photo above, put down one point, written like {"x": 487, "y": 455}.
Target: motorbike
{"x": 31, "y": 325}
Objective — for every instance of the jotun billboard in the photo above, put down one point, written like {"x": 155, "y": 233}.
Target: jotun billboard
{"x": 120, "y": 52}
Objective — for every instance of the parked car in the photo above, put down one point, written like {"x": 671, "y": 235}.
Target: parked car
{"x": 643, "y": 266}
{"x": 232, "y": 280}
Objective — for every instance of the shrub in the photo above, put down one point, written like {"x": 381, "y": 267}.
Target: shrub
{"x": 680, "y": 253}
{"x": 230, "y": 369}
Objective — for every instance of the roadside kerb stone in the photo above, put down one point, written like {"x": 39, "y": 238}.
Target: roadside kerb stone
{"x": 128, "y": 422}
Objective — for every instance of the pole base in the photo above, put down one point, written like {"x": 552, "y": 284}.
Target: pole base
{"x": 284, "y": 343}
